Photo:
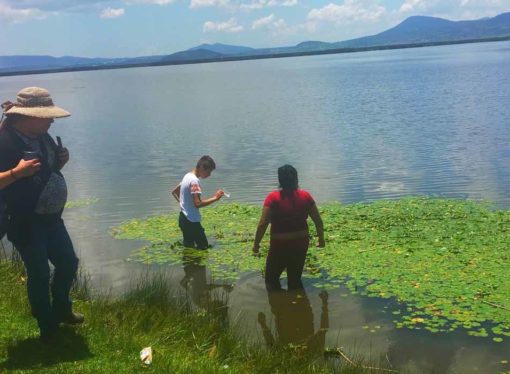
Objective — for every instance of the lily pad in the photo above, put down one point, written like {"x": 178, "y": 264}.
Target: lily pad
{"x": 446, "y": 260}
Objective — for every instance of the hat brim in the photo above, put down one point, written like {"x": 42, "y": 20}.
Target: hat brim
{"x": 39, "y": 112}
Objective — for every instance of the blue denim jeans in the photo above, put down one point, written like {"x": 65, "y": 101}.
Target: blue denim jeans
{"x": 43, "y": 242}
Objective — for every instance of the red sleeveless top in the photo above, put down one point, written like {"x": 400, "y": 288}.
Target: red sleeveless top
{"x": 289, "y": 212}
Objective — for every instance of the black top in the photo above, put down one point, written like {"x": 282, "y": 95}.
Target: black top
{"x": 21, "y": 197}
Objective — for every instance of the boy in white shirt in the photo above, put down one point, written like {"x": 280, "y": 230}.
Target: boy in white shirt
{"x": 188, "y": 194}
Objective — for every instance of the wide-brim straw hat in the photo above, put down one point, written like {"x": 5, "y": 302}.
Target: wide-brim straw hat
{"x": 36, "y": 102}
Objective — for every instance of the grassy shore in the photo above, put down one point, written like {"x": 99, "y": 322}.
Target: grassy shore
{"x": 149, "y": 315}
{"x": 445, "y": 260}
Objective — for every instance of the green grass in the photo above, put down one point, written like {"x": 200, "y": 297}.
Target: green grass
{"x": 149, "y": 315}
{"x": 445, "y": 260}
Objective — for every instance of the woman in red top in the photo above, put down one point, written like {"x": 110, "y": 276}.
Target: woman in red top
{"x": 287, "y": 210}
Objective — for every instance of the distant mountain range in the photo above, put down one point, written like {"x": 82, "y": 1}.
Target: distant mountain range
{"x": 224, "y": 49}
{"x": 413, "y": 32}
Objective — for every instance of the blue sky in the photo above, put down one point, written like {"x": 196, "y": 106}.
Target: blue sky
{"x": 128, "y": 28}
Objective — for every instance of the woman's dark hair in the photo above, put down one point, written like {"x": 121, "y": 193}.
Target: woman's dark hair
{"x": 207, "y": 163}
{"x": 288, "y": 178}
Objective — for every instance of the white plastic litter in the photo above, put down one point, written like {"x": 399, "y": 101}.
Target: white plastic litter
{"x": 146, "y": 355}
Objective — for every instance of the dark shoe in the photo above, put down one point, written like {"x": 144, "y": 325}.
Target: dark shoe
{"x": 73, "y": 319}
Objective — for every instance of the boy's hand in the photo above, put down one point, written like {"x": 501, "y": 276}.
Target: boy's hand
{"x": 219, "y": 194}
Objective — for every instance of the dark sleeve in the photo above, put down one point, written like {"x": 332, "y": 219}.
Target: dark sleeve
{"x": 3, "y": 161}
{"x": 9, "y": 156}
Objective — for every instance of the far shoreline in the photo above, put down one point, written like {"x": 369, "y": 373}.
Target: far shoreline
{"x": 250, "y": 57}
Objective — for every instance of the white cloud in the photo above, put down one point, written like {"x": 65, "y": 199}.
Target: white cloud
{"x": 155, "y": 2}
{"x": 413, "y": 6}
{"x": 263, "y": 22}
{"x": 18, "y": 11}
{"x": 241, "y": 4}
{"x": 282, "y": 2}
{"x": 209, "y": 3}
{"x": 259, "y": 4}
{"x": 278, "y": 27}
{"x": 455, "y": 9}
{"x": 351, "y": 11}
{"x": 12, "y": 15}
{"x": 229, "y": 26}
{"x": 112, "y": 13}
{"x": 281, "y": 27}
{"x": 54, "y": 5}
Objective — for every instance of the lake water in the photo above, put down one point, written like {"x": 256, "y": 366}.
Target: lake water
{"x": 358, "y": 127}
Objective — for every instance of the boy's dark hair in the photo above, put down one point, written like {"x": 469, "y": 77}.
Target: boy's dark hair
{"x": 207, "y": 163}
{"x": 288, "y": 178}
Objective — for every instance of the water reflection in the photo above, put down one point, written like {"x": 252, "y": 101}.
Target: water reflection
{"x": 294, "y": 322}
{"x": 407, "y": 350}
{"x": 199, "y": 290}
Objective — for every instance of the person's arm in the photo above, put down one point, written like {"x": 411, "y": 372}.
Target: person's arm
{"x": 199, "y": 203}
{"x": 22, "y": 170}
{"x": 317, "y": 341}
{"x": 317, "y": 220}
{"x": 176, "y": 193}
{"x": 6, "y": 178}
{"x": 265, "y": 219}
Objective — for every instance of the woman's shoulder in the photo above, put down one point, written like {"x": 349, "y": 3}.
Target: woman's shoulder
{"x": 304, "y": 194}
{"x": 273, "y": 194}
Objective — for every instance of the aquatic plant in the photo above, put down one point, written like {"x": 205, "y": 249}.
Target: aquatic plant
{"x": 445, "y": 261}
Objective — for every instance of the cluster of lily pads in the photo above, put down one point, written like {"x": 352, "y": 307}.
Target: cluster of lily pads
{"x": 446, "y": 260}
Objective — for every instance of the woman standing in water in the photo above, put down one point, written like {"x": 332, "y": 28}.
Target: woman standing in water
{"x": 287, "y": 209}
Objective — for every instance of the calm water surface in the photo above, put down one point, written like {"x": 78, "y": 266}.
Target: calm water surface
{"x": 358, "y": 127}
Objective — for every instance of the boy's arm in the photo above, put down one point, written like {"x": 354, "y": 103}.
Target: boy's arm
{"x": 176, "y": 193}
{"x": 199, "y": 203}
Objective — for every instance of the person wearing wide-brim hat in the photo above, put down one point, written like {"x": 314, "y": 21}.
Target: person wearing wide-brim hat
{"x": 34, "y": 192}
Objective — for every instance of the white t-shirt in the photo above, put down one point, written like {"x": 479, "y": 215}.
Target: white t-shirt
{"x": 190, "y": 185}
